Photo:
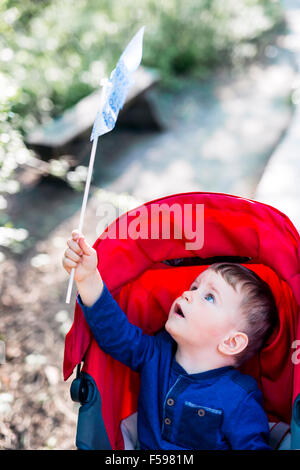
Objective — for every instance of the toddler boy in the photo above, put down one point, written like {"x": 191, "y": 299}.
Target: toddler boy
{"x": 191, "y": 395}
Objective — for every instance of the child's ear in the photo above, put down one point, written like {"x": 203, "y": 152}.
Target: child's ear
{"x": 233, "y": 344}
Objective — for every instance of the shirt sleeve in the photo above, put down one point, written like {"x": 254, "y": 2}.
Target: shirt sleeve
{"x": 247, "y": 427}
{"x": 115, "y": 334}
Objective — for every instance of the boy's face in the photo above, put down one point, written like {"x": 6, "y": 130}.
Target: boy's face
{"x": 206, "y": 313}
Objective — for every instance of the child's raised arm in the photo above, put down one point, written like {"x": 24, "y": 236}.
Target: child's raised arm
{"x": 110, "y": 326}
{"x": 83, "y": 258}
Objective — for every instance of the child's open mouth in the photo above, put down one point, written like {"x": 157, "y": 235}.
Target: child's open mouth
{"x": 178, "y": 310}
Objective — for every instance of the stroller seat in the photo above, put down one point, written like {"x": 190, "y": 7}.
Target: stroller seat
{"x": 146, "y": 275}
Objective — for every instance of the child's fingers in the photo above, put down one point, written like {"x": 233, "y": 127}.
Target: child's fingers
{"x": 86, "y": 248}
{"x": 70, "y": 254}
{"x": 76, "y": 235}
{"x": 69, "y": 264}
{"x": 74, "y": 246}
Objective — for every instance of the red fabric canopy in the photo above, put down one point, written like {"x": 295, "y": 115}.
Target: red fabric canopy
{"x": 145, "y": 288}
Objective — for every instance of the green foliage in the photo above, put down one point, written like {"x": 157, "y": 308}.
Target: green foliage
{"x": 53, "y": 52}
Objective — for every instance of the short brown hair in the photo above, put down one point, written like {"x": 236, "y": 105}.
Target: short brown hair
{"x": 258, "y": 306}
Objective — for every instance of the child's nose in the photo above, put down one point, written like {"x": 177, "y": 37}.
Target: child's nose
{"x": 187, "y": 295}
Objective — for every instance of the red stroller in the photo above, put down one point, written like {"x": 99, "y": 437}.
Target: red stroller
{"x": 145, "y": 275}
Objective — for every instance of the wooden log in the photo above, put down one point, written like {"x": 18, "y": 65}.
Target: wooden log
{"x": 52, "y": 139}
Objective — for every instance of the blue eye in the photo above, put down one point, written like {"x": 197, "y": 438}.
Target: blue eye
{"x": 210, "y": 298}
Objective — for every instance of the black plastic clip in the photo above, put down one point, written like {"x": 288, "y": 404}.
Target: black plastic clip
{"x": 79, "y": 389}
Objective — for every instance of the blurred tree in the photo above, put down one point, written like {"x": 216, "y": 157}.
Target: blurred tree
{"x": 56, "y": 52}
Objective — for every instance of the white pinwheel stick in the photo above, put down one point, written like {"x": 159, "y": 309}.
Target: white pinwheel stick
{"x": 113, "y": 97}
{"x": 87, "y": 189}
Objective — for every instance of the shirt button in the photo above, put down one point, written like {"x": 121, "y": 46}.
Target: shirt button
{"x": 170, "y": 401}
{"x": 201, "y": 412}
{"x": 167, "y": 421}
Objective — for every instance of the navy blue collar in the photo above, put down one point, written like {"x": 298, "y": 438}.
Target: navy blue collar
{"x": 208, "y": 374}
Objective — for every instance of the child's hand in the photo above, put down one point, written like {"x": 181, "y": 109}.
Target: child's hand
{"x": 81, "y": 256}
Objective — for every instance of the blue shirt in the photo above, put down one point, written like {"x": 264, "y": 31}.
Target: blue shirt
{"x": 217, "y": 409}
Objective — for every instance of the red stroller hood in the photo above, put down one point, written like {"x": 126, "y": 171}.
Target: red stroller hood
{"x": 145, "y": 287}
